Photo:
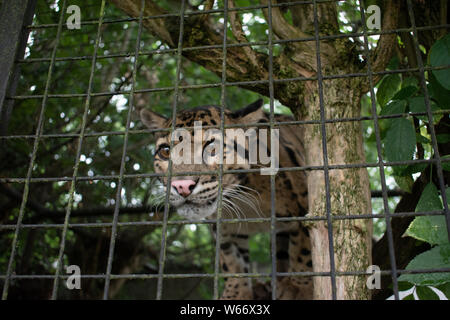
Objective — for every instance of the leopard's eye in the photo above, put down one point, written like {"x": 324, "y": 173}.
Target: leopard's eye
{"x": 210, "y": 146}
{"x": 164, "y": 151}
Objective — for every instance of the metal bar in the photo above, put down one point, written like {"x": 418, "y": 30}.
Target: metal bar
{"x": 190, "y": 13}
{"x": 237, "y": 45}
{"x": 230, "y": 275}
{"x": 237, "y": 83}
{"x": 214, "y": 221}
{"x": 122, "y": 162}
{"x": 380, "y": 159}
{"x": 39, "y": 130}
{"x": 162, "y": 255}
{"x": 77, "y": 158}
{"x": 231, "y": 171}
{"x": 220, "y": 171}
{"x": 273, "y": 240}
{"x": 193, "y": 13}
{"x": 244, "y": 125}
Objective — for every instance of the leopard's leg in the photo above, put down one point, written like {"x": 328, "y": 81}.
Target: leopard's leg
{"x": 234, "y": 258}
{"x": 282, "y": 253}
{"x": 282, "y": 256}
{"x": 298, "y": 287}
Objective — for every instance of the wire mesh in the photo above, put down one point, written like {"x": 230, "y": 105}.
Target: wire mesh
{"x": 122, "y": 177}
{"x": 380, "y": 159}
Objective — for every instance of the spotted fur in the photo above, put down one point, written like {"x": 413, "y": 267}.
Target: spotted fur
{"x": 245, "y": 195}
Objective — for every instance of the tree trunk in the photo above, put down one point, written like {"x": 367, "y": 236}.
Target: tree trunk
{"x": 349, "y": 190}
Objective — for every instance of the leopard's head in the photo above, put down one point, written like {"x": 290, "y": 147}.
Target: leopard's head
{"x": 195, "y": 197}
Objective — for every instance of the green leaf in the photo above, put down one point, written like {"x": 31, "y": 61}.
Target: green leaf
{"x": 429, "y": 199}
{"x": 403, "y": 286}
{"x": 431, "y": 229}
{"x": 445, "y": 288}
{"x": 388, "y": 88}
{"x": 405, "y": 182}
{"x": 417, "y": 104}
{"x": 410, "y": 82}
{"x": 412, "y": 168}
{"x": 437, "y": 257}
{"x": 394, "y": 107}
{"x": 400, "y": 140}
{"x": 425, "y": 293}
{"x": 440, "y": 56}
{"x": 405, "y": 93}
{"x": 409, "y": 297}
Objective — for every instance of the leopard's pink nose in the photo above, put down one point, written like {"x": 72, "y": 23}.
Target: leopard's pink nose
{"x": 184, "y": 187}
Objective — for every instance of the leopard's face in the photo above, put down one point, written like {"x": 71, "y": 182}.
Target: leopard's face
{"x": 195, "y": 197}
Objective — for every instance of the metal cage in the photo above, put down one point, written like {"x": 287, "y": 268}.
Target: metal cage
{"x": 16, "y": 24}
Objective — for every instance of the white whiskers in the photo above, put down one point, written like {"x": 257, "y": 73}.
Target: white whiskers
{"x": 243, "y": 194}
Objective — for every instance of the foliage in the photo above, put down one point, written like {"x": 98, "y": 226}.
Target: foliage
{"x": 431, "y": 229}
{"x": 402, "y": 138}
{"x": 440, "y": 56}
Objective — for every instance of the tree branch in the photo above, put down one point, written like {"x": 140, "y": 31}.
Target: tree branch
{"x": 303, "y": 15}
{"x": 236, "y": 28}
{"x": 200, "y": 32}
{"x": 286, "y": 31}
{"x": 208, "y": 6}
{"x": 386, "y": 44}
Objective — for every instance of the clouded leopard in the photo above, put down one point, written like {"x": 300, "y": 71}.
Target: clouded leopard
{"x": 244, "y": 195}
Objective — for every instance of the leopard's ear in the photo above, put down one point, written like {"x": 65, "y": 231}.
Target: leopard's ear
{"x": 251, "y": 113}
{"x": 152, "y": 120}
